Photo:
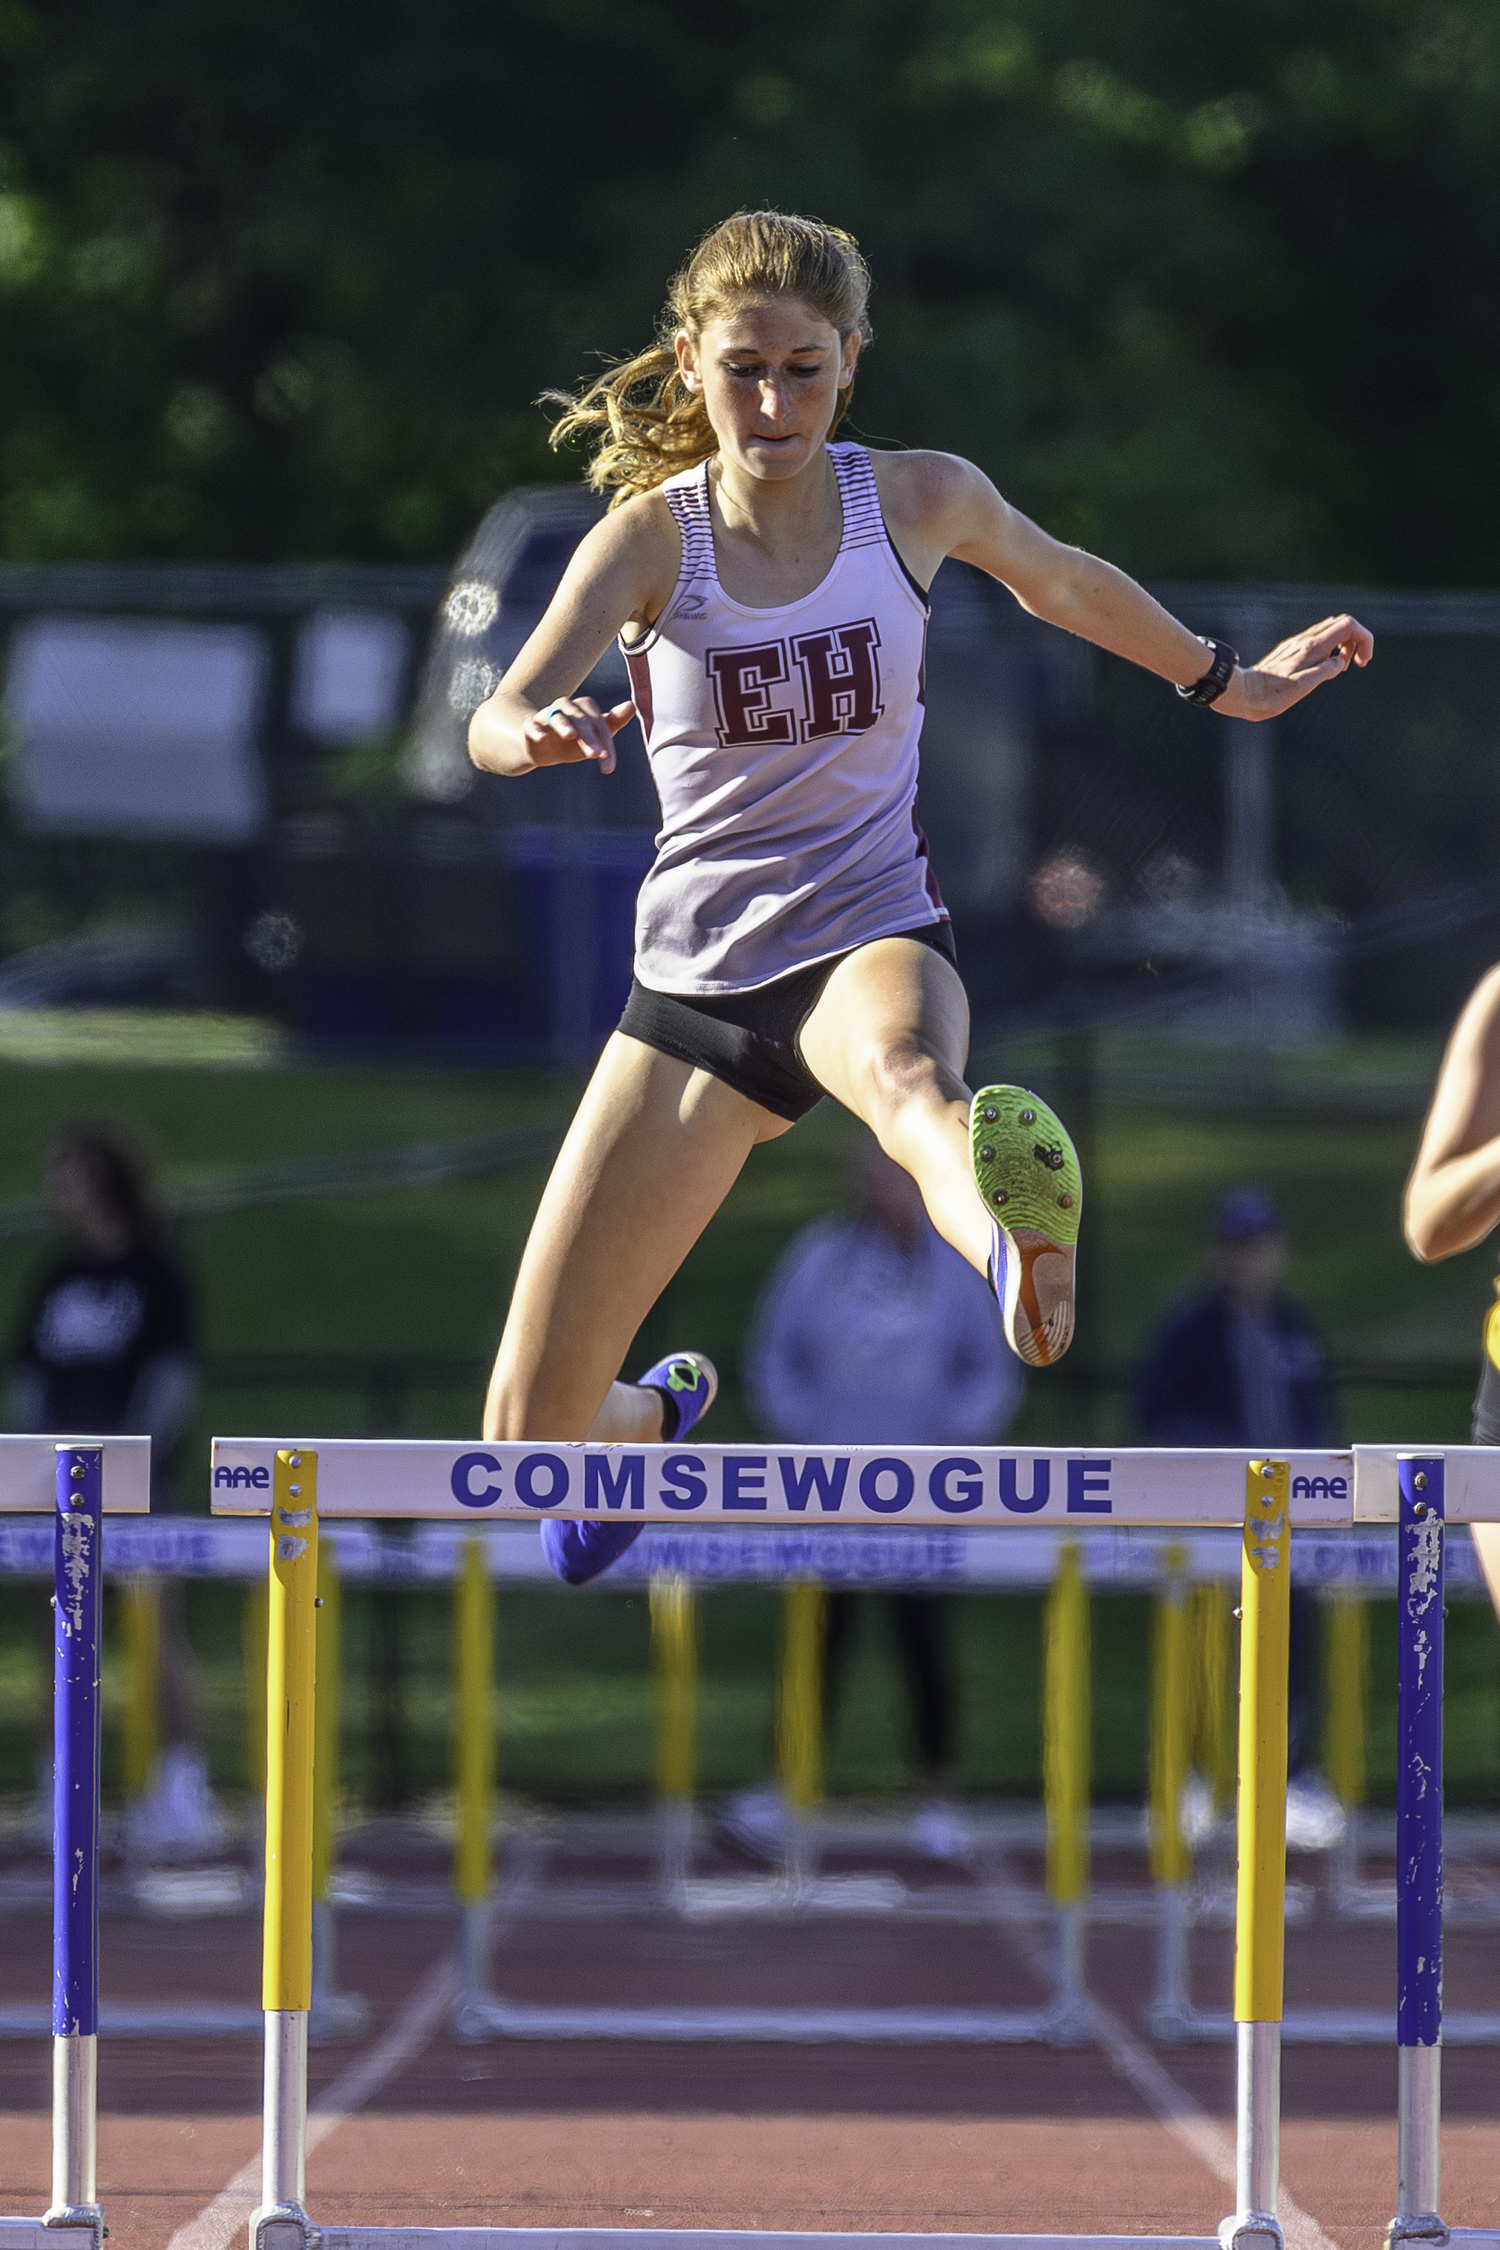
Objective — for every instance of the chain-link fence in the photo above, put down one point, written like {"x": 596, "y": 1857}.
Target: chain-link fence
{"x": 249, "y": 787}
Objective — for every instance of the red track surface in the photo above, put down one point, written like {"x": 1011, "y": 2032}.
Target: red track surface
{"x": 944, "y": 2139}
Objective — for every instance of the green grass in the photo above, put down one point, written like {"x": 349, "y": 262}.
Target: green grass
{"x": 428, "y": 1272}
{"x": 573, "y": 1699}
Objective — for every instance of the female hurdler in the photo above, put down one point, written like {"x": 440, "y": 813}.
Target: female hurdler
{"x": 769, "y": 591}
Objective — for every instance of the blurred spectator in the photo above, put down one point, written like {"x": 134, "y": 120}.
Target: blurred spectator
{"x": 107, "y": 1343}
{"x": 872, "y": 1331}
{"x": 1242, "y": 1364}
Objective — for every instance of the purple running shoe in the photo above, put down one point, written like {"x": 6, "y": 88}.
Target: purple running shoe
{"x": 576, "y": 1552}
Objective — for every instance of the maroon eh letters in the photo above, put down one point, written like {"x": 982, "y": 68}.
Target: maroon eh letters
{"x": 840, "y": 680}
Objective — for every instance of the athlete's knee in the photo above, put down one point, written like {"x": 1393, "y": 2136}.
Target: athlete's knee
{"x": 899, "y": 1072}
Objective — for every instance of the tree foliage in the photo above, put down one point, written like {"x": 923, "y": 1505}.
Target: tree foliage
{"x": 1212, "y": 288}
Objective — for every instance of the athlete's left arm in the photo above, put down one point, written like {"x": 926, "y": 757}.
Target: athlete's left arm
{"x": 937, "y": 505}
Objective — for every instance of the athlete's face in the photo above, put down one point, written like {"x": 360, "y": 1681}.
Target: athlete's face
{"x": 769, "y": 374}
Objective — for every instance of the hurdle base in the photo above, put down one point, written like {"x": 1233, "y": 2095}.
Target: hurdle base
{"x": 74, "y": 2231}
{"x": 1418, "y": 2226}
{"x": 1251, "y": 2230}
{"x": 1177, "y": 2023}
{"x": 282, "y": 2226}
{"x": 479, "y": 2017}
{"x": 648, "y": 2238}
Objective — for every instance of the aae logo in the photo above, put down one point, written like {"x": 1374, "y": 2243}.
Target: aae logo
{"x": 1320, "y": 1488}
{"x": 241, "y": 1479}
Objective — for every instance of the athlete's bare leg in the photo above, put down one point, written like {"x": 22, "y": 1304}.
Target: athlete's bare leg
{"x": 889, "y": 1038}
{"x": 653, "y": 1151}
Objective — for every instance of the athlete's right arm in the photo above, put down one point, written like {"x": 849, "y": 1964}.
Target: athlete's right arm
{"x": 1453, "y": 1195}
{"x": 622, "y": 572}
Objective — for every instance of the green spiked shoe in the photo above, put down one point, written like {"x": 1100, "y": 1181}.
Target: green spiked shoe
{"x": 1026, "y": 1171}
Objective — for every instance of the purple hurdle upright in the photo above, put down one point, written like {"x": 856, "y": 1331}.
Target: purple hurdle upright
{"x": 75, "y": 1835}
{"x": 74, "y": 2217}
{"x": 1419, "y": 1851}
{"x": 1419, "y": 1860}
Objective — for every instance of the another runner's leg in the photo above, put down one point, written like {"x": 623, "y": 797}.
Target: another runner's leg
{"x": 889, "y": 1038}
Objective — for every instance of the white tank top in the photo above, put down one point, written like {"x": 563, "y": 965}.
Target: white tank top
{"x": 783, "y": 744}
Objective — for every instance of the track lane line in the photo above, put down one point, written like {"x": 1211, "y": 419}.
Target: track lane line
{"x": 1173, "y": 2107}
{"x": 1184, "y": 2118}
{"x": 218, "y": 2222}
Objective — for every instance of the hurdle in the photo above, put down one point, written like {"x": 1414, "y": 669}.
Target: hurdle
{"x": 87, "y": 1476}
{"x": 1421, "y": 1512}
{"x": 293, "y": 1482}
{"x": 1172, "y": 2017}
{"x": 800, "y": 1887}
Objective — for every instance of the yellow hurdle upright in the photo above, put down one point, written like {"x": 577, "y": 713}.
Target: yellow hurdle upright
{"x": 334, "y": 2013}
{"x": 140, "y": 1630}
{"x": 799, "y": 1700}
{"x": 674, "y": 1659}
{"x": 1211, "y": 1635}
{"x": 1172, "y": 1716}
{"x": 799, "y": 1721}
{"x": 474, "y": 1778}
{"x": 291, "y": 1721}
{"x": 291, "y": 1645}
{"x": 1067, "y": 1768}
{"x": 674, "y": 1653}
{"x": 1346, "y": 1689}
{"x": 1067, "y": 1725}
{"x": 1171, "y": 1726}
{"x": 1346, "y": 1699}
{"x": 474, "y": 1725}
{"x": 1260, "y": 1906}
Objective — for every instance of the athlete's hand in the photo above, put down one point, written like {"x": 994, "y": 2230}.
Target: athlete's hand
{"x": 574, "y": 730}
{"x": 1295, "y": 667}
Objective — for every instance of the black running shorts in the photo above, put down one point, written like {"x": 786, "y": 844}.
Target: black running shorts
{"x": 749, "y": 1039}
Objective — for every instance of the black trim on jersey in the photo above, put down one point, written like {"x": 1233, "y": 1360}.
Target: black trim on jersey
{"x": 922, "y": 596}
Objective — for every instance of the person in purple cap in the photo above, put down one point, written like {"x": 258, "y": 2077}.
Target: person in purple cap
{"x": 1242, "y": 1364}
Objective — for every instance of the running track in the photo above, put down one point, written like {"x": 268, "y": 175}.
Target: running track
{"x": 1119, "y": 2137}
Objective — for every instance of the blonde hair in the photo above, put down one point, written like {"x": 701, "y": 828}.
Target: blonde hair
{"x": 647, "y": 422}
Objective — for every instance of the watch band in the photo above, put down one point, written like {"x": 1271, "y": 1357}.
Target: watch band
{"x": 1216, "y": 679}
